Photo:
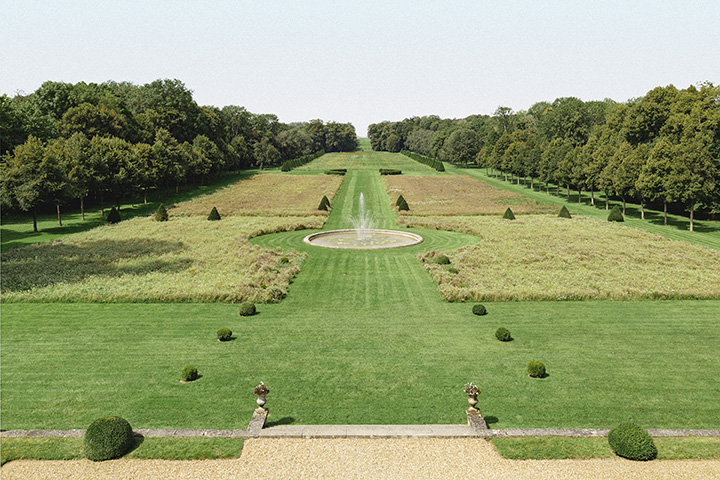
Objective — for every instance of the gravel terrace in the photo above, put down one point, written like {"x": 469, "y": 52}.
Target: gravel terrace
{"x": 364, "y": 458}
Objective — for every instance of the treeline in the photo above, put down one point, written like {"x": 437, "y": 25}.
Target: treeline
{"x": 119, "y": 140}
{"x": 663, "y": 147}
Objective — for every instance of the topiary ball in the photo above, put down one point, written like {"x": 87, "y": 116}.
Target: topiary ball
{"x": 615, "y": 215}
{"x": 113, "y": 216}
{"x": 214, "y": 215}
{"x": 224, "y": 334}
{"x": 442, "y": 260}
{"x": 564, "y": 212}
{"x": 161, "y": 215}
{"x": 479, "y": 309}
{"x": 536, "y": 369}
{"x": 508, "y": 215}
{"x": 503, "y": 334}
{"x": 189, "y": 373}
{"x": 107, "y": 438}
{"x": 247, "y": 309}
{"x": 632, "y": 442}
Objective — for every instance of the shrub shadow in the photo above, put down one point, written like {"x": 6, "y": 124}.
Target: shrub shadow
{"x": 281, "y": 421}
{"x": 139, "y": 439}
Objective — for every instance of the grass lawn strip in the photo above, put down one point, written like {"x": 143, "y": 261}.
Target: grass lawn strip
{"x": 267, "y": 194}
{"x": 140, "y": 260}
{"x": 549, "y": 258}
{"x": 556, "y": 448}
{"x": 457, "y": 195}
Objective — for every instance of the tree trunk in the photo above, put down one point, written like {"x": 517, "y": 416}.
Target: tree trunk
{"x": 623, "y": 206}
{"x": 177, "y": 186}
{"x": 145, "y": 196}
{"x": 557, "y": 193}
{"x": 568, "y": 192}
{"x": 102, "y": 204}
{"x": 82, "y": 208}
{"x": 35, "y": 220}
{"x": 642, "y": 209}
{"x": 592, "y": 197}
{"x": 579, "y": 195}
{"x": 532, "y": 183}
{"x": 607, "y": 201}
{"x": 506, "y": 176}
{"x": 665, "y": 211}
{"x": 692, "y": 214}
{"x": 518, "y": 179}
{"x": 547, "y": 188}
{"x": 58, "y": 212}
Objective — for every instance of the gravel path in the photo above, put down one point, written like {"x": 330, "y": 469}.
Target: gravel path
{"x": 365, "y": 458}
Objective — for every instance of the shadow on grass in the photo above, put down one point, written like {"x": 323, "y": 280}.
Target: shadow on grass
{"x": 490, "y": 419}
{"x": 139, "y": 439}
{"x": 281, "y": 421}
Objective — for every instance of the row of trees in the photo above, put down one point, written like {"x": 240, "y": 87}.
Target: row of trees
{"x": 116, "y": 140}
{"x": 662, "y": 148}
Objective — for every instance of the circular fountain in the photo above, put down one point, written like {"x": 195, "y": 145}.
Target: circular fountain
{"x": 363, "y": 236}
{"x": 367, "y": 239}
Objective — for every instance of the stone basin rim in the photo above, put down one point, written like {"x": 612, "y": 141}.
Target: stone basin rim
{"x": 414, "y": 239}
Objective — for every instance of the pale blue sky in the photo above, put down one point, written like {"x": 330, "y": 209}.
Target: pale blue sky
{"x": 364, "y": 62}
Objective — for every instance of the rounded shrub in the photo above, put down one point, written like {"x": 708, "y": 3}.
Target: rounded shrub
{"x": 189, "y": 373}
{"x": 632, "y": 442}
{"x": 536, "y": 369}
{"x": 503, "y": 334}
{"x": 107, "y": 438}
{"x": 452, "y": 270}
{"x": 224, "y": 334}
{"x": 508, "y": 215}
{"x": 113, "y": 216}
{"x": 615, "y": 215}
{"x": 284, "y": 260}
{"x": 214, "y": 215}
{"x": 479, "y": 309}
{"x": 442, "y": 260}
{"x": 247, "y": 309}
{"x": 564, "y": 212}
{"x": 161, "y": 215}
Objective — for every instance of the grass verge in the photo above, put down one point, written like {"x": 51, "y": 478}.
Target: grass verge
{"x": 45, "y": 448}
{"x": 556, "y": 448}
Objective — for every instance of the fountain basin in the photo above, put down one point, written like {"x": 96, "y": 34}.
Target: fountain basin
{"x": 366, "y": 239}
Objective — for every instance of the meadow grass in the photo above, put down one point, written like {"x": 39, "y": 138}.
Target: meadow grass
{"x": 141, "y": 260}
{"x": 47, "y": 448}
{"x": 16, "y": 229}
{"x": 548, "y": 258}
{"x": 457, "y": 195}
{"x": 555, "y": 448}
{"x": 707, "y": 232}
{"x": 267, "y": 194}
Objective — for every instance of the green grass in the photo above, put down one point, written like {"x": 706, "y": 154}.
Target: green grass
{"x": 554, "y": 448}
{"x": 365, "y": 160}
{"x": 707, "y": 233}
{"x": 45, "y": 448}
{"x": 17, "y": 228}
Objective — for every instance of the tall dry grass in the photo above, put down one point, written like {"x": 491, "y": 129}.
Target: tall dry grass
{"x": 457, "y": 195}
{"x": 140, "y": 260}
{"x": 266, "y": 194}
{"x": 549, "y": 258}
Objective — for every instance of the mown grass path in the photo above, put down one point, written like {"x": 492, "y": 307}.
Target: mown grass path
{"x": 363, "y": 337}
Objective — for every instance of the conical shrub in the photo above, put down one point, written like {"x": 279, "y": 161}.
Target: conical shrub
{"x": 113, "y": 216}
{"x": 161, "y": 215}
{"x": 616, "y": 215}
{"x": 214, "y": 215}
{"x": 402, "y": 204}
{"x": 508, "y": 215}
{"x": 564, "y": 213}
{"x": 324, "y": 203}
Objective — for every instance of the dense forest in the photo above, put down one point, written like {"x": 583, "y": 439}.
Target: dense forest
{"x": 67, "y": 142}
{"x": 662, "y": 148}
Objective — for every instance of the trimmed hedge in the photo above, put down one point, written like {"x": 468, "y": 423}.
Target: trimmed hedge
{"x": 189, "y": 373}
{"x": 442, "y": 260}
{"x": 536, "y": 369}
{"x": 430, "y": 162}
{"x": 503, "y": 334}
{"x": 113, "y": 216}
{"x": 336, "y": 171}
{"x": 107, "y": 438}
{"x": 247, "y": 309}
{"x": 224, "y": 334}
{"x": 324, "y": 203}
{"x": 564, "y": 212}
{"x": 161, "y": 215}
{"x": 214, "y": 215}
{"x": 479, "y": 309}
{"x": 508, "y": 215}
{"x": 616, "y": 215}
{"x": 632, "y": 442}
{"x": 300, "y": 161}
{"x": 390, "y": 171}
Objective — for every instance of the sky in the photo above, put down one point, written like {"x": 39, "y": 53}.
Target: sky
{"x": 365, "y": 62}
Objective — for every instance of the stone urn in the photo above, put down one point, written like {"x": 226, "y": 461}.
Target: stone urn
{"x": 261, "y": 400}
{"x": 472, "y": 399}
